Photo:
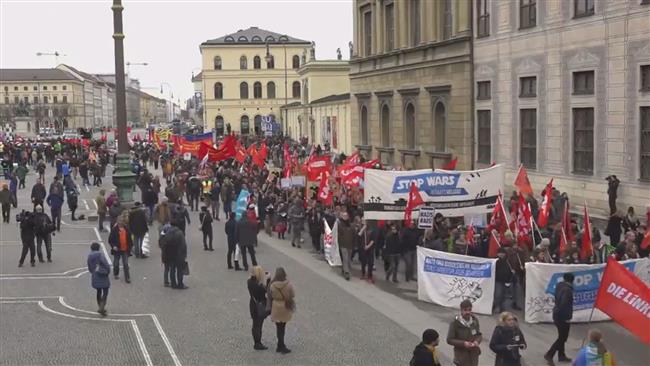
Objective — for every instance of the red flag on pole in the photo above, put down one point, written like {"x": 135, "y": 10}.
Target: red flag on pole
{"x": 415, "y": 200}
{"x": 494, "y": 245}
{"x": 646, "y": 239}
{"x": 566, "y": 222}
{"x": 469, "y": 236}
{"x": 240, "y": 153}
{"x": 451, "y": 165}
{"x": 626, "y": 299}
{"x": 325, "y": 194}
{"x": 524, "y": 215}
{"x": 542, "y": 220}
{"x": 522, "y": 182}
{"x": 498, "y": 220}
{"x": 563, "y": 243}
{"x": 587, "y": 249}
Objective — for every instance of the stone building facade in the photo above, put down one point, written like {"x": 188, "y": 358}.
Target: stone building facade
{"x": 410, "y": 81}
{"x": 563, "y": 87}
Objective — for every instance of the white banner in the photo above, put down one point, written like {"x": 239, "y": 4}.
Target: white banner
{"x": 331, "y": 243}
{"x": 447, "y": 279}
{"x": 452, "y": 193}
{"x": 541, "y": 279}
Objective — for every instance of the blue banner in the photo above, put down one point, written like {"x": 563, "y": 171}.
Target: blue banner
{"x": 457, "y": 268}
{"x": 242, "y": 202}
{"x": 205, "y": 136}
{"x": 433, "y": 184}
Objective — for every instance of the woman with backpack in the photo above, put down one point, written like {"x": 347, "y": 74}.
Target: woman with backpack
{"x": 257, "y": 288}
{"x": 282, "y": 295}
{"x": 99, "y": 269}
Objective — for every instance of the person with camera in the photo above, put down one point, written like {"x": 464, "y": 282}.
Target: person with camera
{"x": 99, "y": 269}
{"x": 257, "y": 288}
{"x": 26, "y": 220}
{"x": 121, "y": 244}
{"x": 43, "y": 228}
{"x": 612, "y": 192}
{"x": 506, "y": 341}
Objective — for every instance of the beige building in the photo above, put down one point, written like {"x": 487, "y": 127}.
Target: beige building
{"x": 410, "y": 80}
{"x": 323, "y": 113}
{"x": 153, "y": 110}
{"x": 249, "y": 74}
{"x": 50, "y": 97}
{"x": 98, "y": 98}
{"x": 563, "y": 87}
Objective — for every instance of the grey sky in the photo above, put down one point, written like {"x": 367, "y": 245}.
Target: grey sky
{"x": 166, "y": 34}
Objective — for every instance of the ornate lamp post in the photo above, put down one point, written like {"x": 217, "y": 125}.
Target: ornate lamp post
{"x": 123, "y": 178}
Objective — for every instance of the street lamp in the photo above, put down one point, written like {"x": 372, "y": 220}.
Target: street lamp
{"x": 56, "y": 55}
{"x": 123, "y": 178}
{"x": 129, "y": 64}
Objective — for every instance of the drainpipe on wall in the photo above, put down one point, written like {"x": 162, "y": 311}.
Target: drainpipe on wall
{"x": 471, "y": 80}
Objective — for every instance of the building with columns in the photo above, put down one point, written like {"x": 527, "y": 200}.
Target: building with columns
{"x": 563, "y": 87}
{"x": 249, "y": 74}
{"x": 410, "y": 82}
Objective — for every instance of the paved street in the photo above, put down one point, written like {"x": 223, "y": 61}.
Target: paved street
{"x": 47, "y": 312}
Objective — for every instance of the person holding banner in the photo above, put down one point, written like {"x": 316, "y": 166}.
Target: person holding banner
{"x": 465, "y": 335}
{"x": 562, "y": 314}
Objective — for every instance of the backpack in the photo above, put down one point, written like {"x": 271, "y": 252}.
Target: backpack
{"x": 178, "y": 217}
{"x": 40, "y": 224}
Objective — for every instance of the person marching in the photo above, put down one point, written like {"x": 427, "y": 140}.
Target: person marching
{"x": 99, "y": 269}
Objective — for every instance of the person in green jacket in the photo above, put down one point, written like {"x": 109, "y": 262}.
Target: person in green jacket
{"x": 21, "y": 173}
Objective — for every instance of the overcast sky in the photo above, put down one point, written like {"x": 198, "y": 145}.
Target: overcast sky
{"x": 166, "y": 34}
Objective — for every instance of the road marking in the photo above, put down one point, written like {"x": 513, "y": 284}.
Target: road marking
{"x": 101, "y": 242}
{"x": 95, "y": 203}
{"x": 46, "y": 274}
{"x": 154, "y": 318}
{"x": 86, "y": 204}
{"x": 87, "y": 189}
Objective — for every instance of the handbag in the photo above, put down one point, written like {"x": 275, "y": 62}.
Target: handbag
{"x": 186, "y": 269}
{"x": 261, "y": 310}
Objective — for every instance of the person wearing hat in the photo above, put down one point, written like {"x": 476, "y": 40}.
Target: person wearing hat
{"x": 43, "y": 228}
{"x": 246, "y": 234}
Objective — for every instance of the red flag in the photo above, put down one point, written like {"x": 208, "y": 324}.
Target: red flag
{"x": 257, "y": 157}
{"x": 318, "y": 165}
{"x": 625, "y": 298}
{"x": 325, "y": 194}
{"x": 542, "y": 220}
{"x": 469, "y": 235}
{"x": 451, "y": 165}
{"x": 498, "y": 220}
{"x": 355, "y": 159}
{"x": 226, "y": 150}
{"x": 646, "y": 239}
{"x": 240, "y": 153}
{"x": 563, "y": 242}
{"x": 415, "y": 200}
{"x": 522, "y": 183}
{"x": 566, "y": 222}
{"x": 587, "y": 249}
{"x": 494, "y": 245}
{"x": 524, "y": 216}
{"x": 264, "y": 151}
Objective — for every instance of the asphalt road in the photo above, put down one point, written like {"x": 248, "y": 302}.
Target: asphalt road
{"x": 47, "y": 311}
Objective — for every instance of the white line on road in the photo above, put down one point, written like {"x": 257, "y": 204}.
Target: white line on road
{"x": 86, "y": 204}
{"x": 45, "y": 274}
{"x": 95, "y": 203}
{"x": 87, "y": 189}
{"x": 101, "y": 242}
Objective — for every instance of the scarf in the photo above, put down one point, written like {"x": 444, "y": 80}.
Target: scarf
{"x": 434, "y": 353}
{"x": 465, "y": 323}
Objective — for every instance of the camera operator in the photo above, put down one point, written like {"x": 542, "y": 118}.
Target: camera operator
{"x": 26, "y": 220}
{"x": 43, "y": 228}
{"x": 612, "y": 188}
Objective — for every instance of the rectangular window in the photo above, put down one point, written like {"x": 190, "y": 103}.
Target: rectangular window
{"x": 645, "y": 77}
{"x": 483, "y": 19}
{"x": 54, "y": 87}
{"x": 583, "y": 8}
{"x": 55, "y": 99}
{"x": 528, "y": 148}
{"x": 45, "y": 99}
{"x": 25, "y": 88}
{"x": 527, "y": 13}
{"x": 65, "y": 99}
{"x": 15, "y": 88}
{"x": 35, "y": 88}
{"x": 528, "y": 87}
{"x": 6, "y": 100}
{"x": 389, "y": 27}
{"x": 484, "y": 137}
{"x": 26, "y": 100}
{"x": 645, "y": 143}
{"x": 583, "y": 83}
{"x": 65, "y": 87}
{"x": 483, "y": 90}
{"x": 367, "y": 33}
{"x": 415, "y": 22}
{"x": 44, "y": 87}
{"x": 35, "y": 99}
{"x": 447, "y": 19}
{"x": 583, "y": 141}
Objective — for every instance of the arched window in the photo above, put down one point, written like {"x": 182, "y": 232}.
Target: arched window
{"x": 257, "y": 120}
{"x": 218, "y": 90}
{"x": 257, "y": 62}
{"x": 219, "y": 125}
{"x": 217, "y": 63}
{"x": 409, "y": 126}
{"x": 385, "y": 126}
{"x": 270, "y": 62}
{"x": 270, "y": 90}
{"x": 364, "y": 125}
{"x": 243, "y": 63}
{"x": 296, "y": 62}
{"x": 243, "y": 90}
{"x": 295, "y": 88}
{"x": 440, "y": 127}
{"x": 244, "y": 127}
{"x": 257, "y": 90}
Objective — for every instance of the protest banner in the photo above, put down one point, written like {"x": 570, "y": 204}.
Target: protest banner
{"x": 425, "y": 219}
{"x": 452, "y": 193}
{"x": 242, "y": 202}
{"x": 331, "y": 244}
{"x": 447, "y": 279}
{"x": 541, "y": 279}
{"x": 285, "y": 183}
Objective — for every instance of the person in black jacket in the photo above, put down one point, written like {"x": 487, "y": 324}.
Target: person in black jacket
{"x": 503, "y": 274}
{"x": 38, "y": 194}
{"x": 257, "y": 288}
{"x": 425, "y": 353}
{"x": 614, "y": 229}
{"x": 410, "y": 238}
{"x": 138, "y": 227}
{"x": 506, "y": 341}
{"x": 206, "y": 228}
{"x": 174, "y": 251}
{"x": 231, "y": 233}
{"x": 562, "y": 314}
{"x": 392, "y": 252}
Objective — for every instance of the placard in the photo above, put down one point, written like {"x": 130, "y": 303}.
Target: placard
{"x": 425, "y": 219}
